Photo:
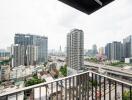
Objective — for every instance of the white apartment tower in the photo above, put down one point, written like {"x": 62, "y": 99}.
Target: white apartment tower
{"x": 75, "y": 49}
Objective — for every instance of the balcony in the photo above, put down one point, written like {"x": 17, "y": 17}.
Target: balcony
{"x": 84, "y": 86}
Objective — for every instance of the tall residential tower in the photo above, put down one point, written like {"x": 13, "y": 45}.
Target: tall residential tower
{"x": 75, "y": 49}
{"x": 127, "y": 47}
{"x": 114, "y": 51}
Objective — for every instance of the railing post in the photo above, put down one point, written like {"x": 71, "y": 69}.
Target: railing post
{"x": 61, "y": 90}
{"x": 85, "y": 85}
{"x": 39, "y": 93}
{"x": 79, "y": 87}
{"x": 33, "y": 93}
{"x": 73, "y": 87}
{"x": 16, "y": 96}
{"x": 92, "y": 87}
{"x": 52, "y": 91}
{"x": 57, "y": 90}
{"x": 115, "y": 90}
{"x": 104, "y": 86}
{"x": 122, "y": 85}
{"x": 65, "y": 89}
{"x": 46, "y": 91}
{"x": 69, "y": 88}
{"x": 100, "y": 94}
{"x": 96, "y": 85}
{"x": 109, "y": 89}
{"x": 88, "y": 86}
{"x": 130, "y": 93}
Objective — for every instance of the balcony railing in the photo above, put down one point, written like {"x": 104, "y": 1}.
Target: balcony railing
{"x": 85, "y": 86}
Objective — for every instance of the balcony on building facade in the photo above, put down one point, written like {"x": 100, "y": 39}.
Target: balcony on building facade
{"x": 84, "y": 86}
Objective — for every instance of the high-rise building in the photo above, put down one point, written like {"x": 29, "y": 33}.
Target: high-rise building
{"x": 95, "y": 51}
{"x": 75, "y": 49}
{"x": 18, "y": 53}
{"x": 114, "y": 51}
{"x": 101, "y": 50}
{"x": 24, "y": 55}
{"x": 32, "y": 54}
{"x": 127, "y": 47}
{"x": 108, "y": 51}
{"x": 40, "y": 41}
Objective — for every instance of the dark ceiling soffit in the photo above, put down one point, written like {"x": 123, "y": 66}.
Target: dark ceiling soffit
{"x": 87, "y": 6}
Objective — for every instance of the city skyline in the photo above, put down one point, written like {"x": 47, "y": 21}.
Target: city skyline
{"x": 38, "y": 17}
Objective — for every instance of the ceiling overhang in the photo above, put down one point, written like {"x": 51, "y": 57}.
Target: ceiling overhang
{"x": 87, "y": 6}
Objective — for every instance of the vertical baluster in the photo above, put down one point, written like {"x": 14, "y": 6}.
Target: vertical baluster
{"x": 73, "y": 86}
{"x": 39, "y": 93}
{"x": 85, "y": 79}
{"x": 79, "y": 87}
{"x": 96, "y": 85}
{"x": 51, "y": 91}
{"x": 69, "y": 88}
{"x": 57, "y": 90}
{"x": 104, "y": 87}
{"x": 115, "y": 90}
{"x": 65, "y": 89}
{"x": 88, "y": 86}
{"x": 130, "y": 93}
{"x": 61, "y": 89}
{"x": 46, "y": 90}
{"x": 122, "y": 91}
{"x": 82, "y": 83}
{"x": 92, "y": 88}
{"x": 100, "y": 94}
{"x": 109, "y": 89}
{"x": 33, "y": 93}
{"x": 16, "y": 96}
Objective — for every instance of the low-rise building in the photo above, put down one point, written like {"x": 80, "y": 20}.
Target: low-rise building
{"x": 5, "y": 72}
{"x": 128, "y": 60}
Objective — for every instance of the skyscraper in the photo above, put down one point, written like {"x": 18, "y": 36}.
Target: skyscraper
{"x": 39, "y": 41}
{"x": 114, "y": 51}
{"x": 95, "y": 51}
{"x": 75, "y": 49}
{"x": 101, "y": 50}
{"x": 24, "y": 55}
{"x": 127, "y": 47}
{"x": 108, "y": 51}
{"x": 19, "y": 55}
{"x": 31, "y": 54}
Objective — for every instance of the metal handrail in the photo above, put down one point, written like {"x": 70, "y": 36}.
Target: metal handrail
{"x": 45, "y": 83}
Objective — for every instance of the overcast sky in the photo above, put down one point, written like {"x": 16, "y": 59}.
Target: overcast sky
{"x": 54, "y": 19}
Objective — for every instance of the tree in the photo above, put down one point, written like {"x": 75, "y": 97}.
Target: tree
{"x": 33, "y": 81}
{"x": 63, "y": 70}
{"x": 126, "y": 95}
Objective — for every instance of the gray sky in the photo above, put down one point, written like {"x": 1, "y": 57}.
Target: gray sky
{"x": 55, "y": 19}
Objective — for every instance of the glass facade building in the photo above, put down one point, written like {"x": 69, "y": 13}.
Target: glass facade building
{"x": 39, "y": 41}
{"x": 127, "y": 47}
